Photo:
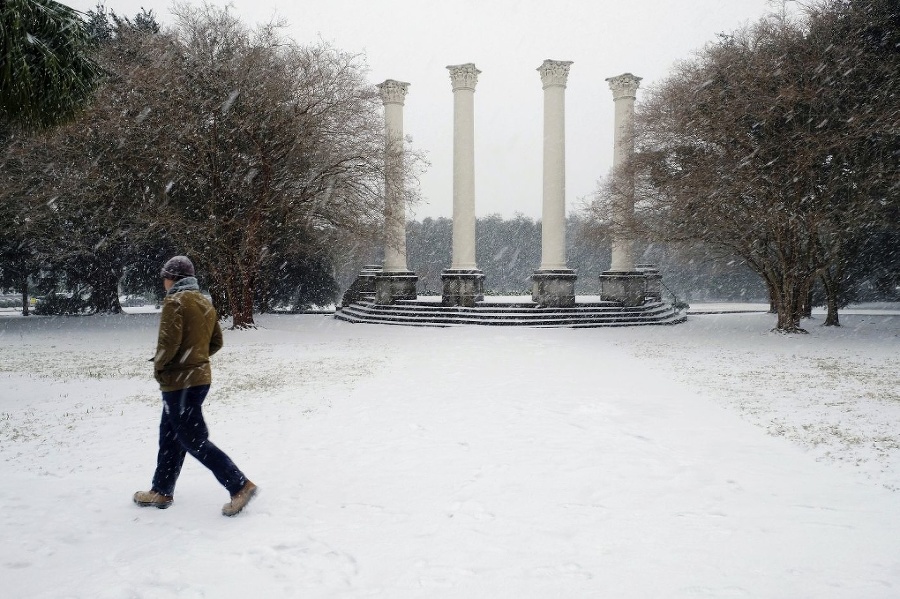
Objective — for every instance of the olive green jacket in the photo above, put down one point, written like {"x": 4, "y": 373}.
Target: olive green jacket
{"x": 189, "y": 334}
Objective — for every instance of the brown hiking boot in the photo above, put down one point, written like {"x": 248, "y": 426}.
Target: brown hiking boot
{"x": 153, "y": 499}
{"x": 239, "y": 500}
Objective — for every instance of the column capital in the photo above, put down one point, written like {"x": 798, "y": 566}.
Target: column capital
{"x": 463, "y": 76}
{"x": 554, "y": 72}
{"x": 392, "y": 92}
{"x": 624, "y": 86}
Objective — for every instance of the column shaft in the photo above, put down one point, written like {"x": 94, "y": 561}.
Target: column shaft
{"x": 553, "y": 237}
{"x": 463, "y": 77}
{"x": 394, "y": 206}
{"x": 624, "y": 88}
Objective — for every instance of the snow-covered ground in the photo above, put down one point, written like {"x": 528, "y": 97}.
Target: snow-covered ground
{"x": 708, "y": 459}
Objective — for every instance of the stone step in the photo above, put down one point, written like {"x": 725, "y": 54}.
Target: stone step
{"x": 507, "y": 307}
{"x": 579, "y": 316}
{"x": 500, "y": 309}
{"x": 558, "y": 320}
{"x": 579, "y": 325}
{"x": 668, "y": 319}
{"x": 503, "y": 306}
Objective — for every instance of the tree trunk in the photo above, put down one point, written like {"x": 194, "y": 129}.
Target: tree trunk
{"x": 232, "y": 293}
{"x": 245, "y": 319}
{"x": 105, "y": 292}
{"x": 25, "y": 298}
{"x": 242, "y": 318}
{"x": 831, "y": 298}
{"x": 790, "y": 305}
{"x": 240, "y": 301}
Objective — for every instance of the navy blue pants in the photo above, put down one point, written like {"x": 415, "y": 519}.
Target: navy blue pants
{"x": 182, "y": 430}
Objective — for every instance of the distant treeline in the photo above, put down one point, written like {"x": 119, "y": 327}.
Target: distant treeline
{"x": 508, "y": 251}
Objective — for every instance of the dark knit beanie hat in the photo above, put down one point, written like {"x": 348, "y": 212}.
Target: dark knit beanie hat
{"x": 177, "y": 268}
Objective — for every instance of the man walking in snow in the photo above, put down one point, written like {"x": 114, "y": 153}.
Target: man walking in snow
{"x": 189, "y": 334}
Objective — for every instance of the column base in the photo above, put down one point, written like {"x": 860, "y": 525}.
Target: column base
{"x": 653, "y": 285}
{"x": 553, "y": 288}
{"x": 461, "y": 287}
{"x": 393, "y": 286}
{"x": 363, "y": 287}
{"x": 628, "y": 287}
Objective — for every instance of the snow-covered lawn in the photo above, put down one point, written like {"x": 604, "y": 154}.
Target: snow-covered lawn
{"x": 708, "y": 459}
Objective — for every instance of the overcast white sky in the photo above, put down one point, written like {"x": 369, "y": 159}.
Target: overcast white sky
{"x": 414, "y": 41}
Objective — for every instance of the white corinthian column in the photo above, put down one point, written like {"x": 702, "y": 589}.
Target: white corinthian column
{"x": 395, "y": 281}
{"x": 463, "y": 78}
{"x": 554, "y": 282}
{"x": 463, "y": 283}
{"x": 392, "y": 96}
{"x": 554, "y": 74}
{"x": 624, "y": 89}
{"x": 624, "y": 282}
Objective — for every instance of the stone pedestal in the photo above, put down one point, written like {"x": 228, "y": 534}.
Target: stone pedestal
{"x": 652, "y": 281}
{"x": 627, "y": 287}
{"x": 393, "y": 286}
{"x": 553, "y": 288}
{"x": 461, "y": 287}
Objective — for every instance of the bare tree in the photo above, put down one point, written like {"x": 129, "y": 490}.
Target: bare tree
{"x": 859, "y": 44}
{"x": 236, "y": 146}
{"x": 275, "y": 144}
{"x": 759, "y": 146}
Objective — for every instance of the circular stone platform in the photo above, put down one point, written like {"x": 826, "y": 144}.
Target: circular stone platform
{"x": 588, "y": 311}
